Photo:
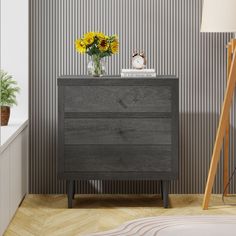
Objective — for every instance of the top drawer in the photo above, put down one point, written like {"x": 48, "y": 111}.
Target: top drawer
{"x": 117, "y": 99}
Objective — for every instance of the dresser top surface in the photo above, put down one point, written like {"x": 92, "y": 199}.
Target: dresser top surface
{"x": 115, "y": 77}
{"x": 82, "y": 78}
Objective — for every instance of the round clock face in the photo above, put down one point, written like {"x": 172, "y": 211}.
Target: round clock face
{"x": 138, "y": 62}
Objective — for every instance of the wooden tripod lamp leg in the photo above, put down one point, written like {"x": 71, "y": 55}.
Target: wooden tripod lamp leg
{"x": 220, "y": 132}
{"x": 226, "y": 140}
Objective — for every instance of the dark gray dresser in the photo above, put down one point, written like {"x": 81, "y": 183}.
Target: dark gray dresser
{"x": 118, "y": 129}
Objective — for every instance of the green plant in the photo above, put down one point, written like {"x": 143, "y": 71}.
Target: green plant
{"x": 8, "y": 89}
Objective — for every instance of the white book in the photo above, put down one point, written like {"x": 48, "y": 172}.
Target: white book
{"x": 137, "y": 71}
{"x": 138, "y": 74}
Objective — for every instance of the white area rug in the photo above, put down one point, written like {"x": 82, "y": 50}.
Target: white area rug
{"x": 176, "y": 226}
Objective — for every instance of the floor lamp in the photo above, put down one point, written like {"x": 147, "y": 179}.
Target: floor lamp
{"x": 219, "y": 16}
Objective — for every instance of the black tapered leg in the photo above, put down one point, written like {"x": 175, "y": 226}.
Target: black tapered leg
{"x": 161, "y": 189}
{"x": 73, "y": 197}
{"x": 70, "y": 184}
{"x": 165, "y": 186}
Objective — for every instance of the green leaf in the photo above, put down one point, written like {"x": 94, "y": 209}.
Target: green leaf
{"x": 8, "y": 89}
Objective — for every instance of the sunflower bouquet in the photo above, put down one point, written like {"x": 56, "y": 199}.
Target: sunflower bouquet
{"x": 97, "y": 45}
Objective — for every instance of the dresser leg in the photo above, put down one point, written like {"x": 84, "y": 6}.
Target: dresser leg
{"x": 70, "y": 184}
{"x": 161, "y": 189}
{"x": 73, "y": 196}
{"x": 165, "y": 186}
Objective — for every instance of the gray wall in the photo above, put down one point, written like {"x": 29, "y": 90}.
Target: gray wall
{"x": 168, "y": 31}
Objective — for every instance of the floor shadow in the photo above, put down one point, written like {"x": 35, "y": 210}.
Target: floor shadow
{"x": 114, "y": 201}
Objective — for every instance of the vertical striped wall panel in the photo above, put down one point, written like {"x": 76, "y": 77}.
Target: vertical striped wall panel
{"x": 169, "y": 32}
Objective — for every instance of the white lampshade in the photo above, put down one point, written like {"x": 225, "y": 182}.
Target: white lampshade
{"x": 219, "y": 16}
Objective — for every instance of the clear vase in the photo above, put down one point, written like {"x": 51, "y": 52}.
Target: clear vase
{"x": 96, "y": 66}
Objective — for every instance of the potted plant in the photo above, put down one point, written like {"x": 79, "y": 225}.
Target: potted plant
{"x": 8, "y": 91}
{"x": 98, "y": 46}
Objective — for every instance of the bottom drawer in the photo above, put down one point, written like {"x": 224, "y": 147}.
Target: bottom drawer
{"x": 118, "y": 158}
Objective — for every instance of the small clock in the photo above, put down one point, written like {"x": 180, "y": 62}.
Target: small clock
{"x": 138, "y": 60}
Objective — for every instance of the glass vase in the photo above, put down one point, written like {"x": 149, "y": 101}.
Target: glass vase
{"x": 96, "y": 66}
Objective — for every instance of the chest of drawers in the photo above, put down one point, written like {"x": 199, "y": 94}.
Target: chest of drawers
{"x": 118, "y": 129}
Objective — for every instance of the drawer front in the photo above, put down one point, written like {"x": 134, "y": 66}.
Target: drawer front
{"x": 118, "y": 131}
{"x": 117, "y": 99}
{"x": 121, "y": 158}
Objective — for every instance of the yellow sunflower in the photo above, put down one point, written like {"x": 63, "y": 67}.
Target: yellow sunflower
{"x": 89, "y": 38}
{"x": 80, "y": 46}
{"x": 100, "y": 35}
{"x": 115, "y": 46}
{"x": 103, "y": 45}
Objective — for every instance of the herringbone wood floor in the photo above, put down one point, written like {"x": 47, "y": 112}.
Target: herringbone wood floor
{"x": 43, "y": 215}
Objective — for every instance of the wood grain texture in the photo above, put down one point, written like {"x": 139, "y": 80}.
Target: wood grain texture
{"x": 99, "y": 145}
{"x": 48, "y": 215}
{"x": 227, "y": 134}
{"x": 132, "y": 158}
{"x": 220, "y": 132}
{"x": 117, "y": 99}
{"x": 118, "y": 131}
{"x": 133, "y": 178}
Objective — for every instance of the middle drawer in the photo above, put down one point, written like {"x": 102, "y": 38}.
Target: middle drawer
{"x": 118, "y": 131}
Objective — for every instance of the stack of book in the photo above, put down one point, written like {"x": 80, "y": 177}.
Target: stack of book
{"x": 138, "y": 73}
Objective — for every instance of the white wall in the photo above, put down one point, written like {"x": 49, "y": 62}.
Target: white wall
{"x": 14, "y": 49}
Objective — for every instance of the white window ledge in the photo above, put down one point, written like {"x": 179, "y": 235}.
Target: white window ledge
{"x": 10, "y": 132}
